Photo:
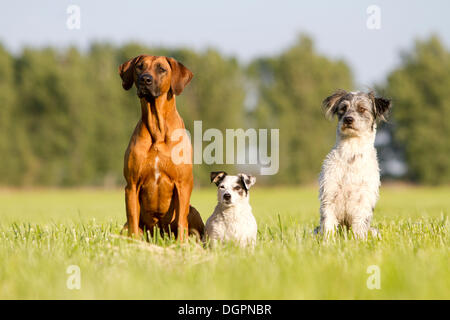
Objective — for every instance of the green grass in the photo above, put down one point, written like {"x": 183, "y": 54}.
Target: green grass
{"x": 43, "y": 232}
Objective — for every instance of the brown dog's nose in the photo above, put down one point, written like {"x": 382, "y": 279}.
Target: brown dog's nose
{"x": 146, "y": 79}
{"x": 348, "y": 120}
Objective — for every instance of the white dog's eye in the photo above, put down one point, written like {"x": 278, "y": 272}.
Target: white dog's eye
{"x": 221, "y": 187}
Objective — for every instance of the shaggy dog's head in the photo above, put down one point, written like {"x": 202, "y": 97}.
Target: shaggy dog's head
{"x": 357, "y": 112}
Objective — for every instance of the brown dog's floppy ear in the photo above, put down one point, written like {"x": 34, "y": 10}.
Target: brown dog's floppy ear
{"x": 330, "y": 103}
{"x": 180, "y": 76}
{"x": 126, "y": 72}
{"x": 217, "y": 176}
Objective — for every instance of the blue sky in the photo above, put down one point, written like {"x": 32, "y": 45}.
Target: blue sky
{"x": 245, "y": 28}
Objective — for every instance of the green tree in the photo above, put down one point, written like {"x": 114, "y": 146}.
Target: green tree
{"x": 65, "y": 119}
{"x": 421, "y": 114}
{"x": 215, "y": 96}
{"x": 111, "y": 115}
{"x": 13, "y": 139}
{"x": 43, "y": 113}
{"x": 291, "y": 88}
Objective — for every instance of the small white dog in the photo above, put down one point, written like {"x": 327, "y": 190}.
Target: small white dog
{"x": 350, "y": 177}
{"x": 232, "y": 219}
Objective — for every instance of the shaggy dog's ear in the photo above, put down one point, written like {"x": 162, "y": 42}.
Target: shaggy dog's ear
{"x": 382, "y": 106}
{"x": 247, "y": 180}
{"x": 217, "y": 176}
{"x": 330, "y": 103}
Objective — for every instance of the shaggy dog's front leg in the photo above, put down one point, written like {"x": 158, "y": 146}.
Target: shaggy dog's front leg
{"x": 328, "y": 221}
{"x": 361, "y": 218}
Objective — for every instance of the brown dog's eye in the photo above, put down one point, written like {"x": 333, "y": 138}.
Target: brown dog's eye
{"x": 161, "y": 69}
{"x": 139, "y": 66}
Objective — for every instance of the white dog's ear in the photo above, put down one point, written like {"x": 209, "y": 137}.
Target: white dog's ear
{"x": 217, "y": 176}
{"x": 330, "y": 103}
{"x": 247, "y": 180}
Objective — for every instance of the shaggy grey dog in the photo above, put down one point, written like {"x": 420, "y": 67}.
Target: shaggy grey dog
{"x": 232, "y": 219}
{"x": 350, "y": 176}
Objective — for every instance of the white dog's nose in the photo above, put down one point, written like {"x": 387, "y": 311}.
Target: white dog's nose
{"x": 227, "y": 197}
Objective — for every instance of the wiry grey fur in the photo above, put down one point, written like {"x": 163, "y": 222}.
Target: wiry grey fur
{"x": 350, "y": 177}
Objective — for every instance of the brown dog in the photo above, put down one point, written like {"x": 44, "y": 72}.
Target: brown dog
{"x": 158, "y": 190}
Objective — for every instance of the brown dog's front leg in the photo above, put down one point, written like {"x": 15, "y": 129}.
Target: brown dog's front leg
{"x": 182, "y": 211}
{"x": 133, "y": 210}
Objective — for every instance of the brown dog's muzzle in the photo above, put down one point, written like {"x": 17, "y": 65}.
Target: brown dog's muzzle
{"x": 147, "y": 86}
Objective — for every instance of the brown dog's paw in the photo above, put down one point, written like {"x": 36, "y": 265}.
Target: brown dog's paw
{"x": 124, "y": 232}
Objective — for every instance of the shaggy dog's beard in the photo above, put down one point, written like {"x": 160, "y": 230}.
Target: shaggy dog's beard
{"x": 348, "y": 131}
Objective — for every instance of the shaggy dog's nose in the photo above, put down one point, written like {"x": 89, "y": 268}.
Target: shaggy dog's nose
{"x": 348, "y": 120}
{"x": 227, "y": 196}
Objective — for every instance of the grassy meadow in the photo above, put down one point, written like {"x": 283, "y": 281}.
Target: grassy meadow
{"x": 42, "y": 232}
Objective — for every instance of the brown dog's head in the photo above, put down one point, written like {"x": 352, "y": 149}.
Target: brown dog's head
{"x": 154, "y": 76}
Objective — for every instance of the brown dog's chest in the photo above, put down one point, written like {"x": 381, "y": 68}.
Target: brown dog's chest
{"x": 156, "y": 182}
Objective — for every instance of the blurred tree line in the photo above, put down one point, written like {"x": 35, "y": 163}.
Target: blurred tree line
{"x": 66, "y": 121}
{"x": 420, "y": 129}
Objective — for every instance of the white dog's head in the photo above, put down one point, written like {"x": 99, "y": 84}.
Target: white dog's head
{"x": 357, "y": 112}
{"x": 232, "y": 190}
